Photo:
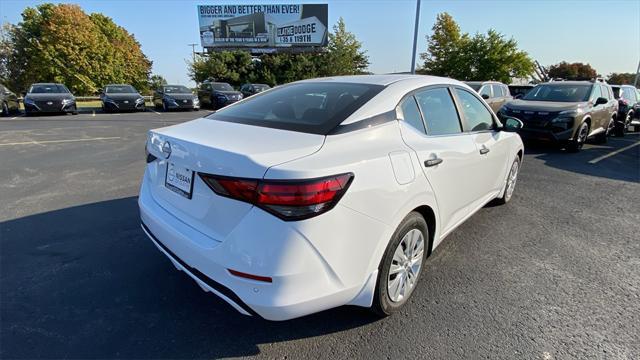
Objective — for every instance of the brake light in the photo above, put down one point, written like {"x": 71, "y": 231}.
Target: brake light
{"x": 287, "y": 199}
{"x": 623, "y": 102}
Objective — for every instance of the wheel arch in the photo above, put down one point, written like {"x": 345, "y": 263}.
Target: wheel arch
{"x": 430, "y": 217}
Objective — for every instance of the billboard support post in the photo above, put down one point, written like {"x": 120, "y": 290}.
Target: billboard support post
{"x": 415, "y": 38}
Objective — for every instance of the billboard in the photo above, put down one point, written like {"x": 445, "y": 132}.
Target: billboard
{"x": 263, "y": 28}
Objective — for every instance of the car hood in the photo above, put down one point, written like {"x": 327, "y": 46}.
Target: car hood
{"x": 128, "y": 96}
{"x": 543, "y": 105}
{"x": 180, "y": 96}
{"x": 50, "y": 96}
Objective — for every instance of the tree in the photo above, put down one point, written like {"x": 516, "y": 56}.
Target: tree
{"x": 621, "y": 78}
{"x": 460, "y": 56}
{"x": 61, "y": 43}
{"x": 155, "y": 81}
{"x": 573, "y": 71}
{"x": 344, "y": 55}
{"x": 445, "y": 49}
{"x": 227, "y": 66}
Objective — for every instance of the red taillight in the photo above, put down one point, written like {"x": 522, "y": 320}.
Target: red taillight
{"x": 623, "y": 102}
{"x": 287, "y": 199}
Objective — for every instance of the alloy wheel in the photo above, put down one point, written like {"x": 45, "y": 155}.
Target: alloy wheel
{"x": 511, "y": 180}
{"x": 405, "y": 265}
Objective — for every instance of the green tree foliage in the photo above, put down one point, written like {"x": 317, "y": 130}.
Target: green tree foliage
{"x": 480, "y": 57}
{"x": 61, "y": 43}
{"x": 573, "y": 71}
{"x": 155, "y": 81}
{"x": 621, "y": 78}
{"x": 343, "y": 56}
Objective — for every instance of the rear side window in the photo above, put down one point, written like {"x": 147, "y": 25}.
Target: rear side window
{"x": 629, "y": 94}
{"x": 439, "y": 111}
{"x": 411, "y": 114}
{"x": 310, "y": 107}
{"x": 477, "y": 116}
{"x": 497, "y": 90}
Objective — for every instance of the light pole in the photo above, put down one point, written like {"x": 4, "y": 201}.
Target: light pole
{"x": 415, "y": 38}
{"x": 635, "y": 82}
{"x": 193, "y": 51}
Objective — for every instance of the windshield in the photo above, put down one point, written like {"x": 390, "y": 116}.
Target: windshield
{"x": 48, "y": 89}
{"x": 475, "y": 86}
{"x": 311, "y": 107}
{"x": 178, "y": 89}
{"x": 120, "y": 89}
{"x": 261, "y": 87}
{"x": 559, "y": 92}
{"x": 221, "y": 87}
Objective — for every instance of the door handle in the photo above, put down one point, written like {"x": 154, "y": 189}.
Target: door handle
{"x": 432, "y": 162}
{"x": 484, "y": 150}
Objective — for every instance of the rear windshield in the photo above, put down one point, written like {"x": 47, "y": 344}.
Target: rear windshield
{"x": 120, "y": 89}
{"x": 559, "y": 92}
{"x": 49, "y": 89}
{"x": 221, "y": 87}
{"x": 178, "y": 89}
{"x": 475, "y": 86}
{"x": 310, "y": 107}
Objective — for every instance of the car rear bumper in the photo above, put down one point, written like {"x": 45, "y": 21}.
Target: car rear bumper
{"x": 303, "y": 280}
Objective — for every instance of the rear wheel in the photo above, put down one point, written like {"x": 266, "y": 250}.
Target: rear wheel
{"x": 602, "y": 137}
{"x": 401, "y": 265}
{"x": 576, "y": 144}
{"x": 621, "y": 128}
{"x": 5, "y": 109}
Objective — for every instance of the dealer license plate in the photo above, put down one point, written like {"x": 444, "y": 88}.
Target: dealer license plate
{"x": 179, "y": 179}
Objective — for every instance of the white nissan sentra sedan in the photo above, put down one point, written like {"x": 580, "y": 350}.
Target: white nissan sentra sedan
{"x": 325, "y": 192}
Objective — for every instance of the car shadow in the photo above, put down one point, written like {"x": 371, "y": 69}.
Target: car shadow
{"x": 623, "y": 166}
{"x": 85, "y": 282}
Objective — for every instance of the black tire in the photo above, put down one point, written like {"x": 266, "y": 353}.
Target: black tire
{"x": 507, "y": 195}
{"x": 603, "y": 136}
{"x": 621, "y": 128}
{"x": 165, "y": 108}
{"x": 576, "y": 144}
{"x": 382, "y": 303}
{"x": 5, "y": 109}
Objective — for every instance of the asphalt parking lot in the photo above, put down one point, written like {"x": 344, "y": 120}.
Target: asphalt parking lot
{"x": 554, "y": 274}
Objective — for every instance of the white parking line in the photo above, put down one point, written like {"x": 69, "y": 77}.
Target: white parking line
{"x": 606, "y": 156}
{"x": 58, "y": 141}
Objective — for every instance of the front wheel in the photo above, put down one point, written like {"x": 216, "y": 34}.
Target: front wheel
{"x": 401, "y": 265}
{"x": 510, "y": 185}
{"x": 576, "y": 144}
{"x": 5, "y": 109}
{"x": 621, "y": 129}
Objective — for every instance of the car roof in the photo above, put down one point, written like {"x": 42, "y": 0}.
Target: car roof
{"x": 117, "y": 85}
{"x": 386, "y": 79}
{"x": 572, "y": 82}
{"x": 49, "y": 84}
{"x": 483, "y": 82}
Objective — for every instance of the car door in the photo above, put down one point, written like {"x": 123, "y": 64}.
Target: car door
{"x": 433, "y": 130}
{"x": 599, "y": 112}
{"x": 480, "y": 123}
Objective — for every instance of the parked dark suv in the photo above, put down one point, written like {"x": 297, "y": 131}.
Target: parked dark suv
{"x": 252, "y": 89}
{"x": 566, "y": 112}
{"x": 628, "y": 107}
{"x": 494, "y": 93}
{"x": 8, "y": 101}
{"x": 217, "y": 94}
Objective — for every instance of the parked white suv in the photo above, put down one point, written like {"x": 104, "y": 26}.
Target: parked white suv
{"x": 324, "y": 192}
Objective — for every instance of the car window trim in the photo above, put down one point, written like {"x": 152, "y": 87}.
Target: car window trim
{"x": 413, "y": 92}
{"x": 496, "y": 123}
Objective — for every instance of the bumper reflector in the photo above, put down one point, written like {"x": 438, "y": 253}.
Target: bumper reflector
{"x": 250, "y": 276}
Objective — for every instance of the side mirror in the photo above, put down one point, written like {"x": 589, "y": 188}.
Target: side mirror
{"x": 601, "y": 101}
{"x": 512, "y": 124}
{"x": 485, "y": 96}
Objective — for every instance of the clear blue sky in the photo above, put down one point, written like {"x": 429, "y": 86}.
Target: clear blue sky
{"x": 605, "y": 34}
